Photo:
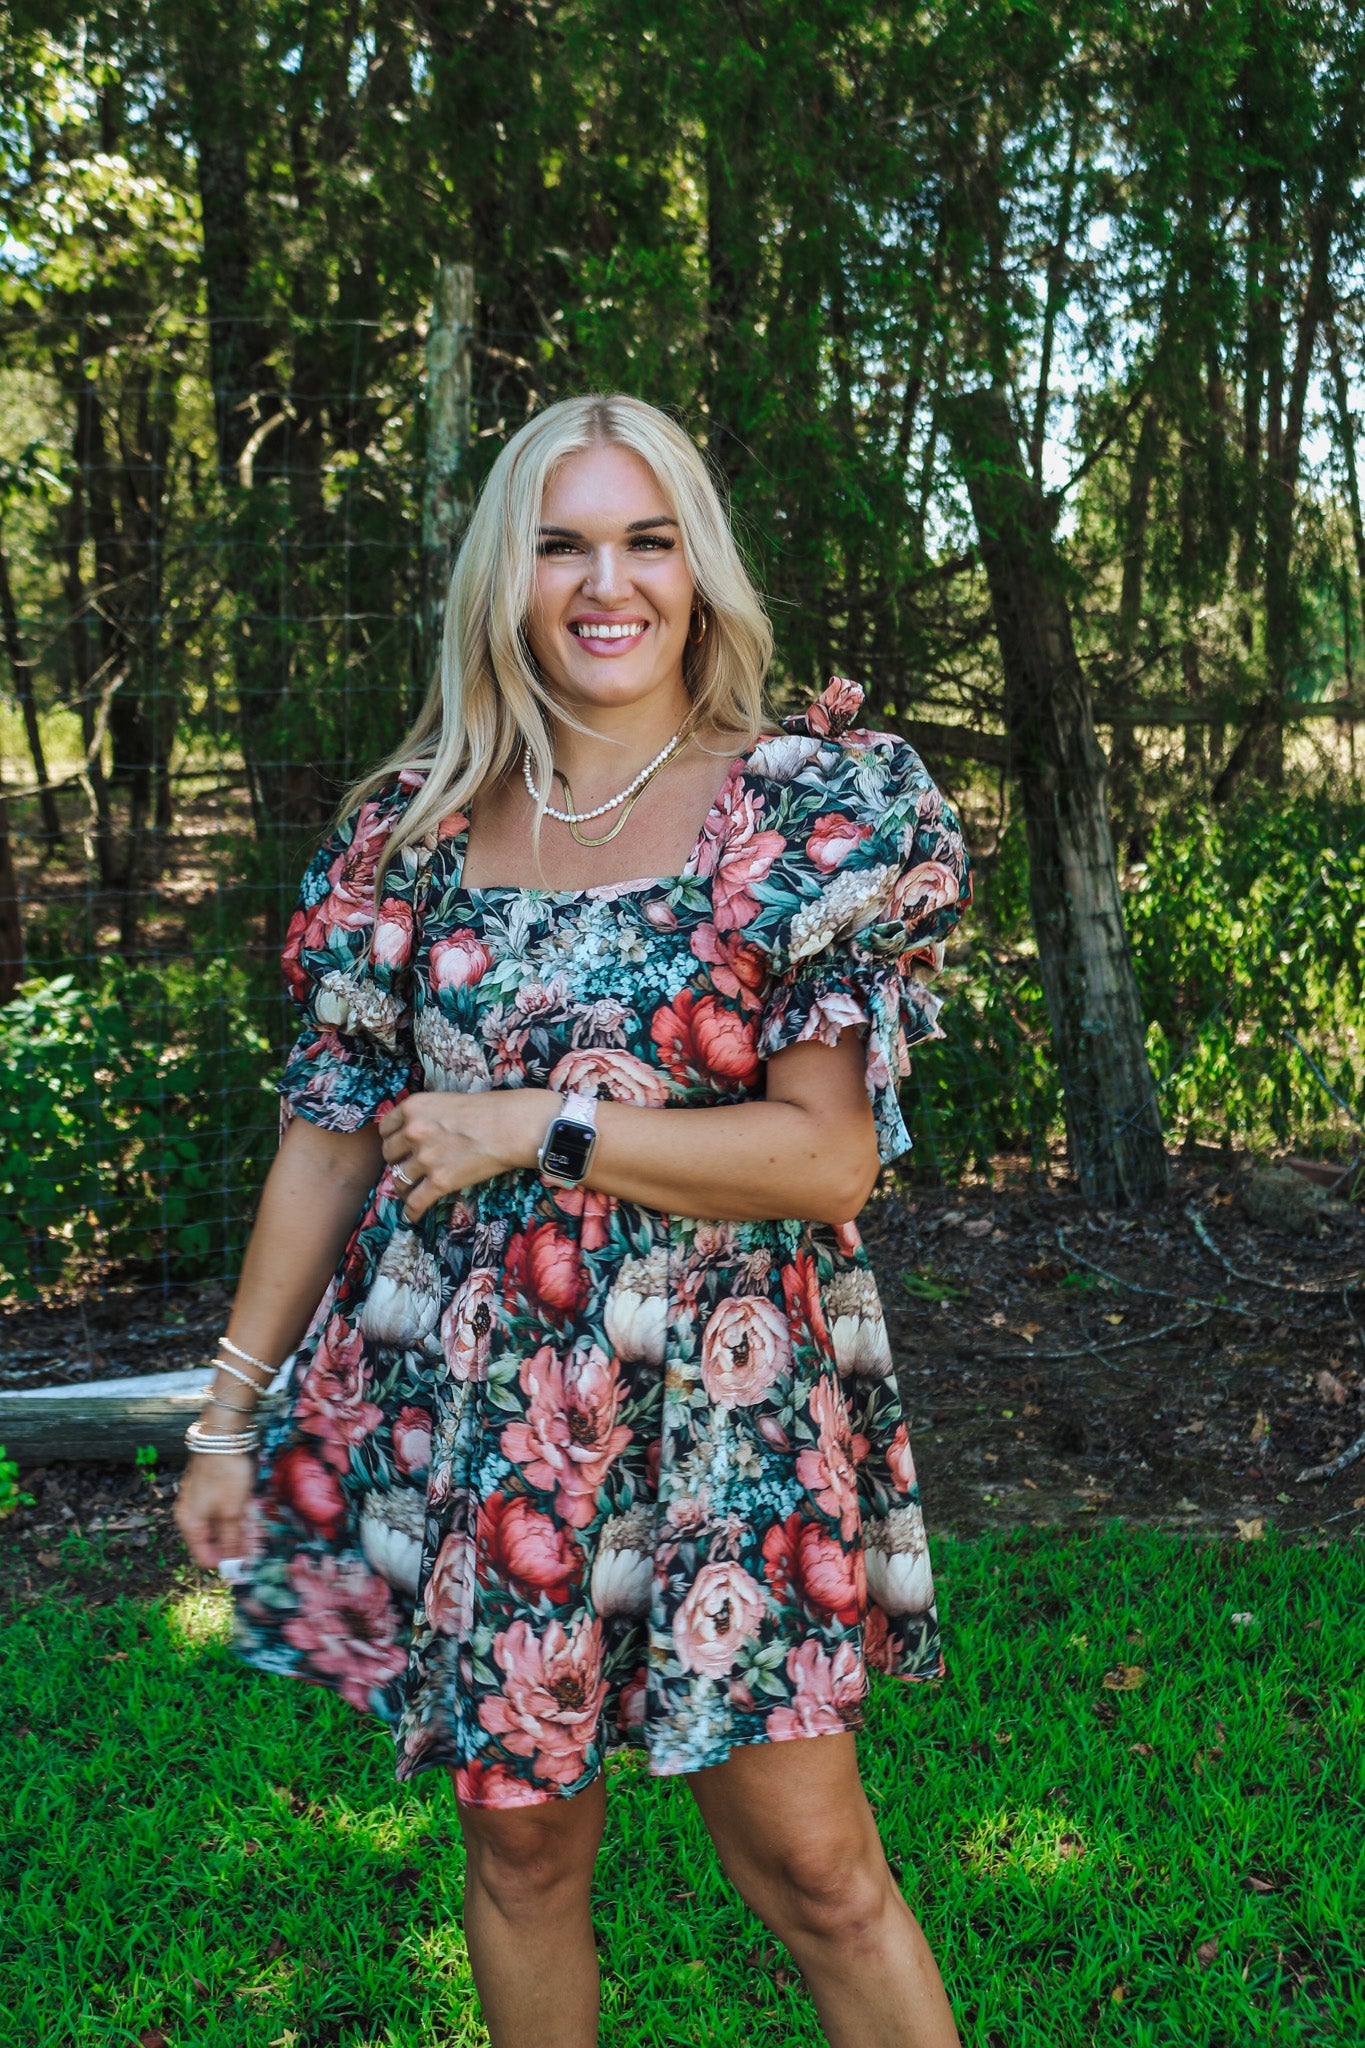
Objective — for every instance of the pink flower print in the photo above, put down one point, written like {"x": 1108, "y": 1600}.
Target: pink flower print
{"x": 827, "y": 1471}
{"x": 491, "y": 1784}
{"x": 467, "y": 1325}
{"x": 698, "y": 1035}
{"x": 805, "y": 1304}
{"x": 345, "y": 1625}
{"x": 391, "y": 945}
{"x": 833, "y": 837}
{"x": 661, "y": 915}
{"x": 449, "y": 1596}
{"x": 310, "y": 1489}
{"x": 835, "y": 709}
{"x": 452, "y": 825}
{"x": 721, "y": 1612}
{"x": 625, "y": 1078}
{"x": 547, "y": 1267}
{"x": 901, "y": 1461}
{"x": 331, "y": 1404}
{"x": 879, "y": 1652}
{"x": 527, "y": 1549}
{"x": 802, "y": 1559}
{"x": 828, "y": 1691}
{"x": 594, "y": 1209}
{"x": 571, "y": 1435}
{"x": 630, "y": 1712}
{"x": 737, "y": 854}
{"x": 551, "y": 1696}
{"x": 459, "y": 960}
{"x": 412, "y": 1441}
{"x": 745, "y": 1346}
{"x": 349, "y": 902}
{"x": 737, "y": 967}
{"x": 921, "y": 891}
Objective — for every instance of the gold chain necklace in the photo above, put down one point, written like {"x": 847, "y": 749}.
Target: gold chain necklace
{"x": 679, "y": 743}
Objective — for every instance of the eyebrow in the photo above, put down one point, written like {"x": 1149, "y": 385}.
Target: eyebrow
{"x": 636, "y": 526}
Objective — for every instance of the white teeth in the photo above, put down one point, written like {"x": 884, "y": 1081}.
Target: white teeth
{"x": 586, "y": 632}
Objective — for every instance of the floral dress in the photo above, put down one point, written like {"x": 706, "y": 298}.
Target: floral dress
{"x": 556, "y": 1473}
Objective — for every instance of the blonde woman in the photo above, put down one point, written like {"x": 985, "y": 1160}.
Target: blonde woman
{"x": 595, "y": 1440}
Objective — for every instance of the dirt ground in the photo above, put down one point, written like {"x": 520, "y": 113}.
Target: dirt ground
{"x": 1183, "y": 1366}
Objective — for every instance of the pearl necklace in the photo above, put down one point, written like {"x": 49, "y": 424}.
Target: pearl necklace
{"x": 573, "y": 817}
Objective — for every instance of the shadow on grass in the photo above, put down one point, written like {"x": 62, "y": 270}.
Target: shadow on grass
{"x": 1126, "y": 1816}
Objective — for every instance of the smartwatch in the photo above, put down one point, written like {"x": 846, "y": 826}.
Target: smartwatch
{"x": 567, "y": 1148}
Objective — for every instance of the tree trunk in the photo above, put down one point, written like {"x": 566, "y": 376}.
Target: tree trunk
{"x": 1113, "y": 1128}
{"x": 22, "y": 669}
{"x": 447, "y": 421}
{"x": 11, "y": 920}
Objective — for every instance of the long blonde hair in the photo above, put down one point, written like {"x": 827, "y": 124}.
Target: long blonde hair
{"x": 488, "y": 701}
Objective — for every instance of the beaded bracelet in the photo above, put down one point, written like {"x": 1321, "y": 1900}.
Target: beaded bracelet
{"x": 234, "y": 1407}
{"x": 246, "y": 1356}
{"x": 222, "y": 1365}
{"x": 227, "y": 1444}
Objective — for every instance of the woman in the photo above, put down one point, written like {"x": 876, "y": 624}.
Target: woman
{"x": 605, "y": 993}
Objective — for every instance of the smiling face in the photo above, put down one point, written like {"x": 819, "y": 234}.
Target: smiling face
{"x": 613, "y": 595}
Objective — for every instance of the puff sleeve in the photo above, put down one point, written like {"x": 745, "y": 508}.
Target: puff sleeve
{"x": 349, "y": 976}
{"x": 880, "y": 875}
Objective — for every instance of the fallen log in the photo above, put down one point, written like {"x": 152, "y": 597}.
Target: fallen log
{"x": 107, "y": 1421}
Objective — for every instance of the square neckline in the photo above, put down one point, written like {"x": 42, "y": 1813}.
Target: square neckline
{"x": 636, "y": 885}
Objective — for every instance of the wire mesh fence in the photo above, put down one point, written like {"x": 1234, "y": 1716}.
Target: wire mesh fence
{"x": 217, "y": 554}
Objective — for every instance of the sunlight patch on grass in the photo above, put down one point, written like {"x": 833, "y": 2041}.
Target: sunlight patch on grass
{"x": 198, "y": 1618}
{"x": 1041, "y": 1845}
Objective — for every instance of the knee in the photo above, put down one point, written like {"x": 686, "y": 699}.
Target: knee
{"x": 837, "y": 1892}
{"x": 523, "y": 1861}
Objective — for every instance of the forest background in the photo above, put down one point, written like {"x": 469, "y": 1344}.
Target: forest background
{"x": 1027, "y": 340}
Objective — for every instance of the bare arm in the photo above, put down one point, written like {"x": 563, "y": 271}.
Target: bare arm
{"x": 808, "y": 1150}
{"x": 313, "y": 1194}
{"x": 311, "y": 1200}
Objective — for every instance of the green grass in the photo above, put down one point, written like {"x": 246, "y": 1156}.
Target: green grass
{"x": 196, "y": 1854}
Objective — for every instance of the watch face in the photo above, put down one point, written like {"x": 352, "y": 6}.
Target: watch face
{"x": 568, "y": 1148}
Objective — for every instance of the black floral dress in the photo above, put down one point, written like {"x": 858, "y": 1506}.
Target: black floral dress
{"x": 555, "y": 1472}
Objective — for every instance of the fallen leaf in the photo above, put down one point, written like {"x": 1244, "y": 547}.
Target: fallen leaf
{"x": 1242, "y": 1620}
{"x": 1260, "y": 1884}
{"x": 1187, "y": 1507}
{"x": 1359, "y": 1501}
{"x": 1115, "y": 1320}
{"x": 1118, "y": 1994}
{"x": 1207, "y": 1952}
{"x": 1260, "y": 1428}
{"x": 1193, "y": 1428}
{"x": 1141, "y": 1749}
{"x": 1029, "y": 1410}
{"x": 1031, "y": 1484}
{"x": 1329, "y": 1388}
{"x": 1251, "y": 1530}
{"x": 115, "y": 1657}
{"x": 1284, "y": 1499}
{"x": 980, "y": 1226}
{"x": 1124, "y": 1678}
{"x": 48, "y": 1558}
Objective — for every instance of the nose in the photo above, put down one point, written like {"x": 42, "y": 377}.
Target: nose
{"x": 604, "y": 578}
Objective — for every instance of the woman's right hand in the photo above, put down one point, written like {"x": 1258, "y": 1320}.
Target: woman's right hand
{"x": 211, "y": 1504}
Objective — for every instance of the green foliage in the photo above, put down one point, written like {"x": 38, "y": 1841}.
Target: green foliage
{"x": 10, "y": 1495}
{"x": 1245, "y": 928}
{"x": 202, "y": 1852}
{"x": 132, "y": 1120}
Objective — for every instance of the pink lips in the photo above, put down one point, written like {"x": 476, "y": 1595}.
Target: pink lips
{"x": 605, "y": 649}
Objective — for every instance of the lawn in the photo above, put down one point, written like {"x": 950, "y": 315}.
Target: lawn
{"x": 1131, "y": 1814}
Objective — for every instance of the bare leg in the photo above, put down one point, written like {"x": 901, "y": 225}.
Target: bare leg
{"x": 527, "y": 1920}
{"x": 798, "y": 1841}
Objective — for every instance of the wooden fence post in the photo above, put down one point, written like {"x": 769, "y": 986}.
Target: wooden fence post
{"x": 448, "y": 437}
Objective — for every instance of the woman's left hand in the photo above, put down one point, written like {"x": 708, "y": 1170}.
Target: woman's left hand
{"x": 443, "y": 1143}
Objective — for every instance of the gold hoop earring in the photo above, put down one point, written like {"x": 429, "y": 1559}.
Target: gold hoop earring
{"x": 694, "y": 638}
